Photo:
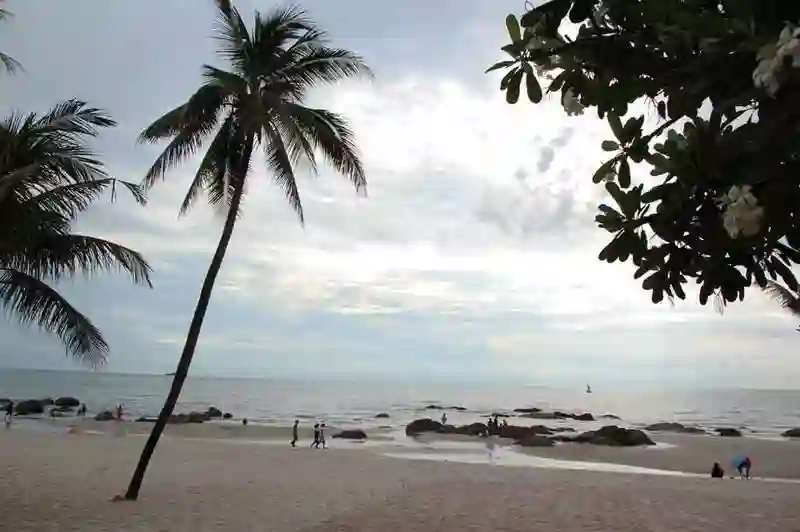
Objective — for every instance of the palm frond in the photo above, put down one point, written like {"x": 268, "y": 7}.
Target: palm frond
{"x": 73, "y": 117}
{"x": 331, "y": 134}
{"x": 232, "y": 34}
{"x": 197, "y": 120}
{"x": 11, "y": 65}
{"x": 784, "y": 297}
{"x": 280, "y": 165}
{"x": 54, "y": 256}
{"x": 73, "y": 199}
{"x": 213, "y": 168}
{"x": 222, "y": 187}
{"x": 313, "y": 64}
{"x": 33, "y": 302}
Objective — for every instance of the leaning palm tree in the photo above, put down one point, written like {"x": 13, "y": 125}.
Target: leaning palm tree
{"x": 256, "y": 103}
{"x": 48, "y": 177}
{"x": 11, "y": 65}
{"x": 784, "y": 297}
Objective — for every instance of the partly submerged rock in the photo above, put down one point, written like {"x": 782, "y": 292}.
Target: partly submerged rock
{"x": 458, "y": 408}
{"x": 535, "y": 441}
{"x": 610, "y": 416}
{"x": 434, "y": 407}
{"x": 541, "y": 415}
{"x": 67, "y": 401}
{"x": 614, "y": 436}
{"x": 227, "y": 415}
{"x": 473, "y": 429}
{"x": 674, "y": 427}
{"x": 28, "y": 408}
{"x": 382, "y": 415}
{"x": 527, "y": 410}
{"x": 516, "y": 432}
{"x": 105, "y": 415}
{"x": 419, "y": 426}
{"x": 354, "y": 434}
{"x": 792, "y": 433}
{"x": 213, "y": 412}
{"x": 728, "y": 432}
{"x": 47, "y": 401}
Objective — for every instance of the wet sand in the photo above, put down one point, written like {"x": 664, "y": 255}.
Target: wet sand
{"x": 61, "y": 481}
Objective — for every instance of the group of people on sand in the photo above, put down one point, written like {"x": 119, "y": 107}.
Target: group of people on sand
{"x": 742, "y": 463}
{"x": 319, "y": 435}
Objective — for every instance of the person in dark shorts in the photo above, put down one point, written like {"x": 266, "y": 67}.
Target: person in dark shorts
{"x": 294, "y": 432}
{"x": 315, "y": 443}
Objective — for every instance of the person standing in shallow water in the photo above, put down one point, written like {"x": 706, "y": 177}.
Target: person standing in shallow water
{"x": 294, "y": 432}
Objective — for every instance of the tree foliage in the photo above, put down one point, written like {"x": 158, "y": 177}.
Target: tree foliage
{"x": 258, "y": 102}
{"x": 703, "y": 94}
{"x": 48, "y": 176}
{"x": 9, "y": 63}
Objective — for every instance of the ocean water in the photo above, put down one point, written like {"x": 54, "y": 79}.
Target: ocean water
{"x": 351, "y": 403}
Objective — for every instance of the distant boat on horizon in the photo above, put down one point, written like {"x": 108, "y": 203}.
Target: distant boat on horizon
{"x": 169, "y": 374}
{"x": 588, "y": 389}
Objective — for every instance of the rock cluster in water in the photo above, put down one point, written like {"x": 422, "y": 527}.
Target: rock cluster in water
{"x": 535, "y": 436}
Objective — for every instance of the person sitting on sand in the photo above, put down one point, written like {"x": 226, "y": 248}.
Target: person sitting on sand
{"x": 294, "y": 432}
{"x": 315, "y": 443}
{"x": 717, "y": 471}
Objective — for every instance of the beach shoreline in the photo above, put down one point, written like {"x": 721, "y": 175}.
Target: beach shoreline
{"x": 692, "y": 454}
{"x": 64, "y": 481}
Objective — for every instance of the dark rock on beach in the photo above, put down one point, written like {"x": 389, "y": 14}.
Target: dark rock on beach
{"x": 213, "y": 412}
{"x": 382, "y": 415}
{"x": 105, "y": 415}
{"x": 674, "y": 427}
{"x": 728, "y": 432}
{"x": 355, "y": 434}
{"x": 614, "y": 436}
{"x": 792, "y": 433}
{"x": 28, "y": 408}
{"x": 473, "y": 429}
{"x": 527, "y": 410}
{"x": 227, "y": 415}
{"x": 610, "y": 416}
{"x": 457, "y": 408}
{"x": 535, "y": 441}
{"x": 434, "y": 407}
{"x": 47, "y": 401}
{"x": 586, "y": 416}
{"x": 420, "y": 426}
{"x": 516, "y": 432}
{"x": 67, "y": 401}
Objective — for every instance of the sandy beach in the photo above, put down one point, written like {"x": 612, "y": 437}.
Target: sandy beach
{"x": 61, "y": 481}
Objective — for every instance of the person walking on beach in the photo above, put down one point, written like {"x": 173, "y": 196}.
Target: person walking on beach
{"x": 120, "y": 407}
{"x": 322, "y": 437}
{"x": 82, "y": 410}
{"x": 444, "y": 418}
{"x": 294, "y": 432}
{"x": 9, "y": 413}
{"x": 315, "y": 443}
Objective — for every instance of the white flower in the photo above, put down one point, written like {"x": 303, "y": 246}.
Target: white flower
{"x": 771, "y": 59}
{"x": 741, "y": 215}
{"x": 571, "y": 104}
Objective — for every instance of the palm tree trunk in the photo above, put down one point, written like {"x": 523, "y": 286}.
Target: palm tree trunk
{"x": 188, "y": 349}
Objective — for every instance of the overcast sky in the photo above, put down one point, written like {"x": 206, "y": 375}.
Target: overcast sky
{"x": 475, "y": 252}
